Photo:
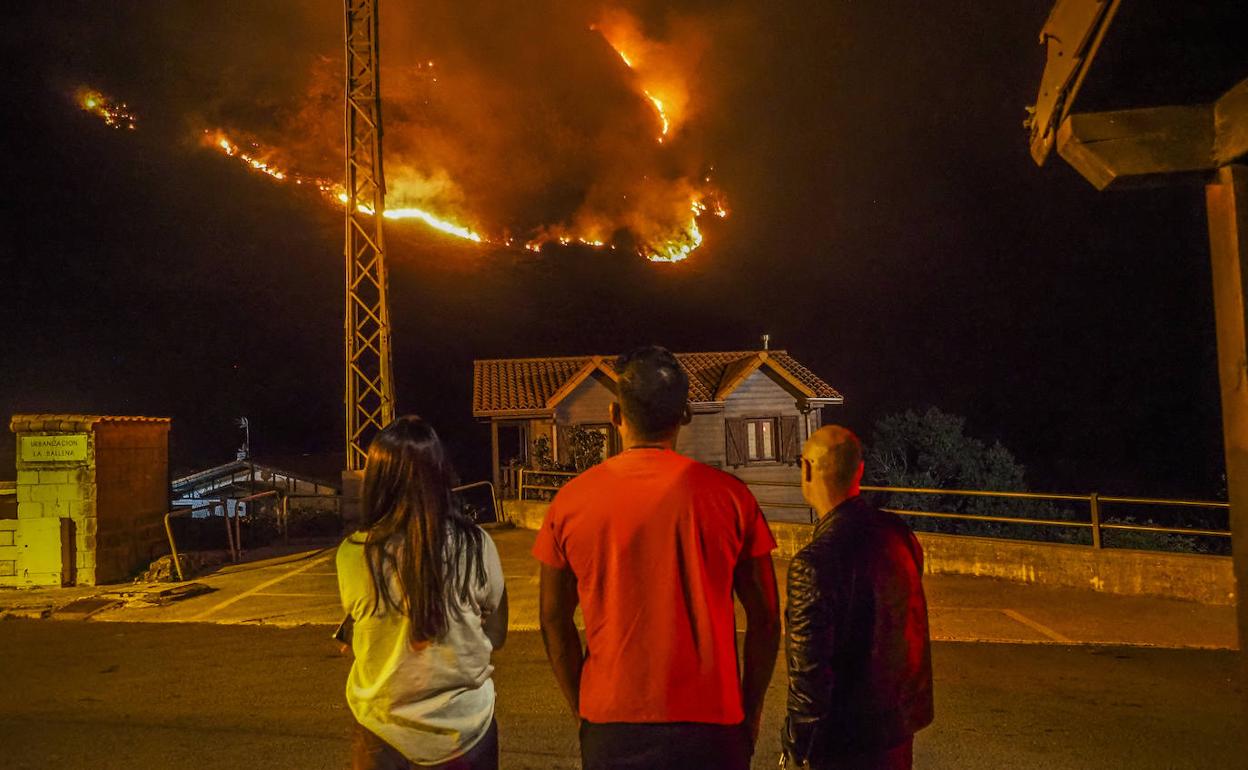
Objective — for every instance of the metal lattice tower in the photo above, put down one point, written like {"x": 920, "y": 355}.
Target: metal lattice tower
{"x": 369, "y": 388}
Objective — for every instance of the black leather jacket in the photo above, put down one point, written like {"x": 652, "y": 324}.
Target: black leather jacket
{"x": 857, "y": 644}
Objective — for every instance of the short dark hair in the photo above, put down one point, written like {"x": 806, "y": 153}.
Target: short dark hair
{"x": 653, "y": 391}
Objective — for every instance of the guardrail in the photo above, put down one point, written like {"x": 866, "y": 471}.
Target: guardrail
{"x": 1095, "y": 502}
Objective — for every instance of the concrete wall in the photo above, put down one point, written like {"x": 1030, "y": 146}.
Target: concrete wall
{"x": 1206, "y": 579}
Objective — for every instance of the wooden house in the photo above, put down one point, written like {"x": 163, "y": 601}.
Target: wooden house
{"x": 751, "y": 412}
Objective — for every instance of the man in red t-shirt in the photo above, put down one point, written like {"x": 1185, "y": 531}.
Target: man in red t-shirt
{"x": 653, "y": 545}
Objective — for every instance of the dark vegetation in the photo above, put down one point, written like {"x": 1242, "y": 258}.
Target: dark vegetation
{"x": 930, "y": 450}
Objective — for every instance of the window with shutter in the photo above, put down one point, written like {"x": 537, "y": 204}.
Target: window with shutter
{"x": 735, "y": 444}
{"x": 790, "y": 439}
{"x": 760, "y": 440}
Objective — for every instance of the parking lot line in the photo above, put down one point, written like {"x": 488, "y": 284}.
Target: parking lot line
{"x": 257, "y": 589}
{"x": 1026, "y": 621}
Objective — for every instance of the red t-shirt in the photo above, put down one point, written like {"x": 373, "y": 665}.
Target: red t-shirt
{"x": 653, "y": 538}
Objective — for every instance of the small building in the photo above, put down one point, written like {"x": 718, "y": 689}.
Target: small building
{"x": 752, "y": 410}
{"x": 91, "y": 494}
{"x": 221, "y": 489}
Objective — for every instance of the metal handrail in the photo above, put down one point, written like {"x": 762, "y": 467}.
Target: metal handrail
{"x": 498, "y": 511}
{"x": 173, "y": 547}
{"x": 1094, "y": 500}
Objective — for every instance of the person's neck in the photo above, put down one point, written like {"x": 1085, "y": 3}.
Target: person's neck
{"x": 834, "y": 500}
{"x": 662, "y": 443}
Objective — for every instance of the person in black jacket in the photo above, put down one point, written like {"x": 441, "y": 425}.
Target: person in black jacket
{"x": 857, "y": 644}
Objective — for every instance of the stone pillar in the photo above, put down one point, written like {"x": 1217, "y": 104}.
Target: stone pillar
{"x": 56, "y": 524}
{"x": 63, "y": 529}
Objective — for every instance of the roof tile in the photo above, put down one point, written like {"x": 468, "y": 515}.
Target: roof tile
{"x": 504, "y": 385}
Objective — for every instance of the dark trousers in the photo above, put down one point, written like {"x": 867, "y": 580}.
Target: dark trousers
{"x": 368, "y": 752}
{"x": 664, "y": 746}
{"x": 897, "y": 758}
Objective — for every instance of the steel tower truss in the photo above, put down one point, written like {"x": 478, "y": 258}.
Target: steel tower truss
{"x": 369, "y": 388}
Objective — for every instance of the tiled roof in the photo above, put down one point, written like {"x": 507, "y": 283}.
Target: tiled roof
{"x": 70, "y": 422}
{"x": 526, "y": 384}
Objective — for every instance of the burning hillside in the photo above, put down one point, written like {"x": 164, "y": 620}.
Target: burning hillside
{"x": 578, "y": 134}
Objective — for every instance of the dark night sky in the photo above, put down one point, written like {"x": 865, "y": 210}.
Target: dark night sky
{"x": 888, "y": 228}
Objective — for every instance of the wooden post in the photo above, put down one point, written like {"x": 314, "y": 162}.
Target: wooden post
{"x": 497, "y": 477}
{"x": 1227, "y": 204}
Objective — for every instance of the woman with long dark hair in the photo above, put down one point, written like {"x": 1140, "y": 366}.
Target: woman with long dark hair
{"x": 424, "y": 586}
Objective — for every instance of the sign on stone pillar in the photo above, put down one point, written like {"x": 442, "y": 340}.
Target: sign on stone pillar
{"x": 68, "y": 447}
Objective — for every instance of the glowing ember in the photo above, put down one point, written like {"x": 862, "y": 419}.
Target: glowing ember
{"x": 114, "y": 114}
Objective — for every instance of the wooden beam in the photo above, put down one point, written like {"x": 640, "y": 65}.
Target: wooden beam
{"x": 1071, "y": 36}
{"x": 497, "y": 475}
{"x": 1136, "y": 146}
{"x": 1230, "y": 123}
{"x": 1227, "y": 204}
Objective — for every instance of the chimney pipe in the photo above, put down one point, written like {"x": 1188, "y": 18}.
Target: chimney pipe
{"x": 766, "y": 342}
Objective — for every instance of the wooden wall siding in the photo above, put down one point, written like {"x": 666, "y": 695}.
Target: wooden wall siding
{"x": 588, "y": 403}
{"x": 538, "y": 428}
{"x": 703, "y": 439}
{"x": 760, "y": 396}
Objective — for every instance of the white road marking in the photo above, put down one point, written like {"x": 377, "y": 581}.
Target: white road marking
{"x": 1026, "y": 621}
{"x": 257, "y": 589}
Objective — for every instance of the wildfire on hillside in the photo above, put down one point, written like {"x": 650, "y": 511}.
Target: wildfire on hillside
{"x": 256, "y": 159}
{"x": 478, "y": 158}
{"x": 114, "y": 114}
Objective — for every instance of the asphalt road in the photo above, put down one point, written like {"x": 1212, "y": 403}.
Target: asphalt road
{"x": 199, "y": 696}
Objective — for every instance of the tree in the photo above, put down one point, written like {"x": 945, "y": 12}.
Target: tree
{"x": 930, "y": 450}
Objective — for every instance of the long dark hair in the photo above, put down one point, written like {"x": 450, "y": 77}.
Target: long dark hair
{"x": 407, "y": 493}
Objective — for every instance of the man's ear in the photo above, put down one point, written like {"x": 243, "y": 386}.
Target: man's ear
{"x": 687, "y": 416}
{"x": 808, "y": 470}
{"x": 858, "y": 473}
{"x": 615, "y": 415}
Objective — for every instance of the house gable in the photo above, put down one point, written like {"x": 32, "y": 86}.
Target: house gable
{"x": 763, "y": 393}
{"x": 587, "y": 402}
{"x": 742, "y": 371}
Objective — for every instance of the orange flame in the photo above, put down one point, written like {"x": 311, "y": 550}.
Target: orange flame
{"x": 254, "y": 160}
{"x": 674, "y": 244}
{"x": 114, "y": 114}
